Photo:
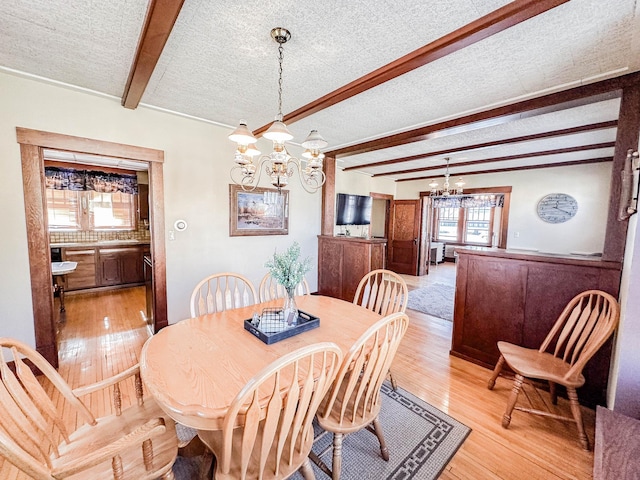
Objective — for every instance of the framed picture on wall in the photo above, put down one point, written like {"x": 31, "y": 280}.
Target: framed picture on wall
{"x": 262, "y": 211}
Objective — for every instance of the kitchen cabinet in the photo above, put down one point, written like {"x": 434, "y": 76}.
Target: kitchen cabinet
{"x": 104, "y": 266}
{"x": 343, "y": 261}
{"x": 85, "y": 274}
{"x": 120, "y": 265}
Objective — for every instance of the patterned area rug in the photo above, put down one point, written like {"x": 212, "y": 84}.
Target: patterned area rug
{"x": 436, "y": 300}
{"x": 421, "y": 441}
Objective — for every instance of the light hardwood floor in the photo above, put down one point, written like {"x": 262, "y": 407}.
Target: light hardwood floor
{"x": 103, "y": 334}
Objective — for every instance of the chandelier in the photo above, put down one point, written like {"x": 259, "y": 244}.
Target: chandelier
{"x": 278, "y": 164}
{"x": 446, "y": 191}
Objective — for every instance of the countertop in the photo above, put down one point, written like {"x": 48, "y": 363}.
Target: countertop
{"x": 102, "y": 243}
{"x": 516, "y": 254}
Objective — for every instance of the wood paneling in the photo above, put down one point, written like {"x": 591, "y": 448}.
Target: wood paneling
{"x": 158, "y": 251}
{"x": 70, "y": 143}
{"x": 524, "y": 167}
{"x": 161, "y": 16}
{"x": 517, "y": 297}
{"x": 39, "y": 253}
{"x": 343, "y": 261}
{"x": 329, "y": 196}
{"x": 543, "y": 153}
{"x": 627, "y": 137}
{"x": 495, "y": 143}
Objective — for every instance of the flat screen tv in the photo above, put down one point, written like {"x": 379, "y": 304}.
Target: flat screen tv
{"x": 353, "y": 209}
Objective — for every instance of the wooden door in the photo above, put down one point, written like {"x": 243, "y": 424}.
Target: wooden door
{"x": 404, "y": 236}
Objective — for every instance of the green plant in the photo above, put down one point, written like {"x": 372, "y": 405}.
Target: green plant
{"x": 286, "y": 267}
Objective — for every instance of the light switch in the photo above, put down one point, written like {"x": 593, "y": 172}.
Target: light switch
{"x": 172, "y": 235}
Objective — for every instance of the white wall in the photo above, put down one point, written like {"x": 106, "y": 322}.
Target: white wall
{"x": 198, "y": 158}
{"x": 588, "y": 184}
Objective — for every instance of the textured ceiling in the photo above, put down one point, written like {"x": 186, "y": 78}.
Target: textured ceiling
{"x": 220, "y": 64}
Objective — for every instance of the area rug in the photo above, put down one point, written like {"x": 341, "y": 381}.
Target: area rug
{"x": 435, "y": 299}
{"x": 421, "y": 441}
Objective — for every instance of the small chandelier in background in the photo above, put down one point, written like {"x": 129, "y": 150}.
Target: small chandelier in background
{"x": 279, "y": 165}
{"x": 445, "y": 192}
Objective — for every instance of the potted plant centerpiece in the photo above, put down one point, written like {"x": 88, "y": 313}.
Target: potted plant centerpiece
{"x": 288, "y": 271}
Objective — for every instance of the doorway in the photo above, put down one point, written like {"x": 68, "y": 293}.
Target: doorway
{"x": 32, "y": 143}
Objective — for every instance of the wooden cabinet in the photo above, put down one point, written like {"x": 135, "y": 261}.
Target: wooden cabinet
{"x": 343, "y": 261}
{"x": 120, "y": 266}
{"x": 517, "y": 297}
{"x": 143, "y": 201}
{"x": 84, "y": 275}
{"x": 104, "y": 267}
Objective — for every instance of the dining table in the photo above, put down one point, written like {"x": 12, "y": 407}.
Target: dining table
{"x": 195, "y": 367}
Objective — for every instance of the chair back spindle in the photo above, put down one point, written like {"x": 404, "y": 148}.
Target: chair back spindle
{"x": 220, "y": 292}
{"x": 382, "y": 291}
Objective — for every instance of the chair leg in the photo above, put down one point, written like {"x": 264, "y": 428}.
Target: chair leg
{"x": 377, "y": 429}
{"x": 577, "y": 415}
{"x": 306, "y": 470}
{"x": 553, "y": 393}
{"x": 336, "y": 465}
{"x": 496, "y": 372}
{"x": 517, "y": 385}
{"x": 394, "y": 384}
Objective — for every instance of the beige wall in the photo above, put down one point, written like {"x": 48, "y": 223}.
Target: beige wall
{"x": 198, "y": 158}
{"x": 588, "y": 184}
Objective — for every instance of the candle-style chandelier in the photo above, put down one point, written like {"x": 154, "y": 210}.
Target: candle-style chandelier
{"x": 446, "y": 191}
{"x": 278, "y": 164}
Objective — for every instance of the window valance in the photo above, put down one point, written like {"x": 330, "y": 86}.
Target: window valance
{"x": 487, "y": 200}
{"x": 74, "y": 179}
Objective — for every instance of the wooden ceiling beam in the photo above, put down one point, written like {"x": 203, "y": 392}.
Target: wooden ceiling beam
{"x": 525, "y": 138}
{"x": 553, "y": 102}
{"x": 501, "y": 19}
{"x": 542, "y": 153}
{"x": 524, "y": 167}
{"x": 161, "y": 16}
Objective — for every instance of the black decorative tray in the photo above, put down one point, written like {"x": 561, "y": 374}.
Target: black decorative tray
{"x": 304, "y": 323}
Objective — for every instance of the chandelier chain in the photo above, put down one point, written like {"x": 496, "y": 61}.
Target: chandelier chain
{"x": 280, "y": 59}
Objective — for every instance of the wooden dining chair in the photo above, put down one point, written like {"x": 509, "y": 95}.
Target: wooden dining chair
{"x": 384, "y": 292}
{"x": 220, "y": 292}
{"x": 581, "y": 329}
{"x": 270, "y": 289}
{"x": 353, "y": 402}
{"x": 267, "y": 431}
{"x": 38, "y": 431}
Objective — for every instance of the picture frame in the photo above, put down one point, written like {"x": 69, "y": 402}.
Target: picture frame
{"x": 261, "y": 211}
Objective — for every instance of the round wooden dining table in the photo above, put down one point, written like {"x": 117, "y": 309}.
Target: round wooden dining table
{"x": 195, "y": 368}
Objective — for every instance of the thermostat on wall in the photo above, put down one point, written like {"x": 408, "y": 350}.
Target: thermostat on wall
{"x": 180, "y": 225}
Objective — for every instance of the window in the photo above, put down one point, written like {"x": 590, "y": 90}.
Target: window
{"x": 63, "y": 209}
{"x": 477, "y": 226}
{"x": 471, "y": 225}
{"x": 448, "y": 224}
{"x": 74, "y": 210}
{"x": 112, "y": 210}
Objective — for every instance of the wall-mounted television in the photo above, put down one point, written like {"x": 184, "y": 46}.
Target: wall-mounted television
{"x": 353, "y": 209}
